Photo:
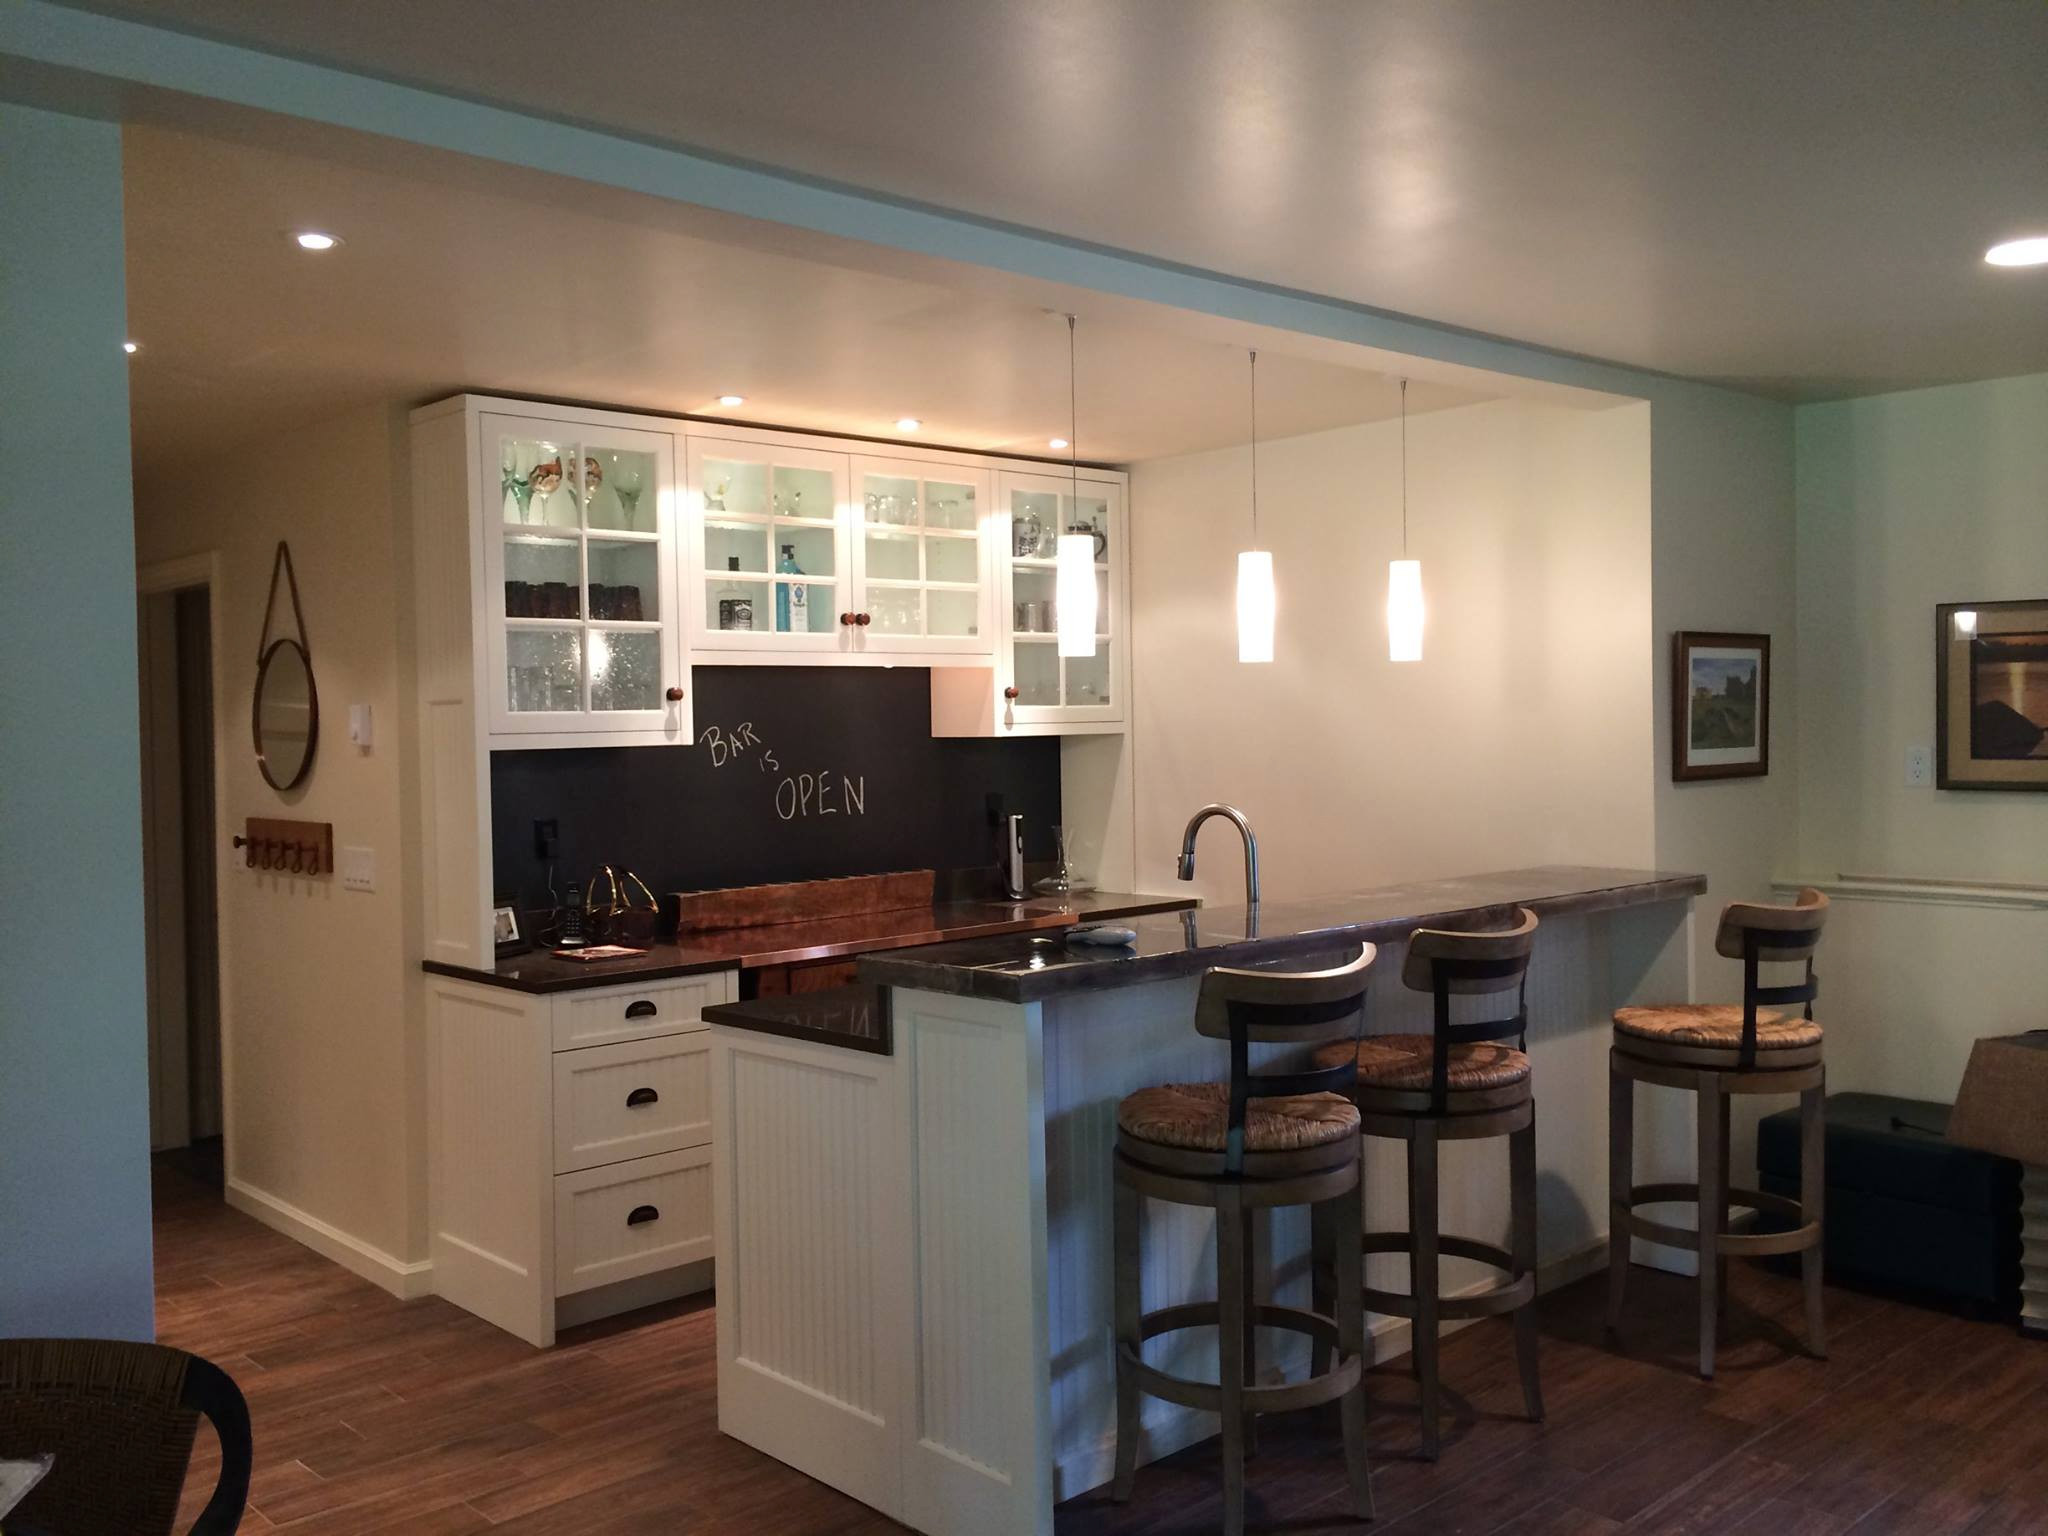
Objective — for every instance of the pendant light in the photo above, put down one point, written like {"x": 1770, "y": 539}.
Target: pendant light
{"x": 1404, "y": 576}
{"x": 1255, "y": 598}
{"x": 1073, "y": 588}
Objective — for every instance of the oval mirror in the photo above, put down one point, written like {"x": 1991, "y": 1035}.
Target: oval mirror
{"x": 287, "y": 714}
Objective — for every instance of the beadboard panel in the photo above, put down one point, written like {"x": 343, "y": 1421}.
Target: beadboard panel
{"x": 813, "y": 1227}
{"x": 490, "y": 1169}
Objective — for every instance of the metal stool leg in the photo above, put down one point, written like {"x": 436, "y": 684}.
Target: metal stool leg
{"x": 1812, "y": 1207}
{"x": 1522, "y": 1207}
{"x": 1713, "y": 1214}
{"x": 1347, "y": 1220}
{"x": 1621, "y": 1178}
{"x": 1230, "y": 1338}
{"x": 1727, "y": 1111}
{"x": 1423, "y": 1276}
{"x": 1128, "y": 1262}
{"x": 1326, "y": 1255}
{"x": 1248, "y": 1245}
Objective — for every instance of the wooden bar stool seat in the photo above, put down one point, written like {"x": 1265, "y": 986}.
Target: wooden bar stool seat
{"x": 1717, "y": 1051}
{"x": 1461, "y": 1082}
{"x": 1261, "y": 1140}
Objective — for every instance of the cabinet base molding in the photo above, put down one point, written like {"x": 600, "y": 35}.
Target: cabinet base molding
{"x": 403, "y": 1278}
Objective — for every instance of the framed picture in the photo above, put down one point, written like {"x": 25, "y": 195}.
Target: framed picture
{"x": 1720, "y": 706}
{"x": 505, "y": 930}
{"x": 1991, "y": 695}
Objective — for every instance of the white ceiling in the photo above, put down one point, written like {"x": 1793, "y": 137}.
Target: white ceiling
{"x": 459, "y": 275}
{"x": 1790, "y": 196}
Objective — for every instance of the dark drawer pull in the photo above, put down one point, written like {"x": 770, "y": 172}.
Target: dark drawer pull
{"x": 642, "y": 1213}
{"x": 643, "y": 1009}
{"x": 641, "y": 1096}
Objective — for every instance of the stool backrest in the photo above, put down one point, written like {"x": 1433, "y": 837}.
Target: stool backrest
{"x": 1451, "y": 963}
{"x": 1305, "y": 1008}
{"x": 1759, "y": 933}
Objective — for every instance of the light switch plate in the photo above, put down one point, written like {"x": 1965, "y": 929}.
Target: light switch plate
{"x": 358, "y": 869}
{"x": 1919, "y": 766}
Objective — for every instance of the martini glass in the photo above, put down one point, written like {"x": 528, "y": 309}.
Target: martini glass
{"x": 628, "y": 481}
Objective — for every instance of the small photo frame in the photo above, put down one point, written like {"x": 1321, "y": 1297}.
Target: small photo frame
{"x": 1720, "y": 706}
{"x": 505, "y": 931}
{"x": 1991, "y": 695}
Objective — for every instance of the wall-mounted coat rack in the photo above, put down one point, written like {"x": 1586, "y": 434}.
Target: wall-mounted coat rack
{"x": 288, "y": 847}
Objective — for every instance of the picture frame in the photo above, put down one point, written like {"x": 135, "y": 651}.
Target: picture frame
{"x": 506, "y": 932}
{"x": 1720, "y": 705}
{"x": 1991, "y": 695}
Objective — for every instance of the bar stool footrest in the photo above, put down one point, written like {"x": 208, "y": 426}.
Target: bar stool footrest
{"x": 1806, "y": 1234}
{"x": 1284, "y": 1397}
{"x": 1504, "y": 1296}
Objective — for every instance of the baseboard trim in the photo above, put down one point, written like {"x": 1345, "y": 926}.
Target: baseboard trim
{"x": 402, "y": 1279}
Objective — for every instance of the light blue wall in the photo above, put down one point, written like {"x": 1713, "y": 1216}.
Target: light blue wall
{"x": 74, "y": 1111}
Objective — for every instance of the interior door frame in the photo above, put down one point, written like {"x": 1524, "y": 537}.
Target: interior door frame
{"x": 156, "y": 579}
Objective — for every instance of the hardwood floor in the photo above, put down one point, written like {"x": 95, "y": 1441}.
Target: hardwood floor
{"x": 374, "y": 1415}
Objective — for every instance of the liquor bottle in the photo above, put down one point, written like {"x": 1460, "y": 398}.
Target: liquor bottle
{"x": 735, "y": 608}
{"x": 792, "y": 599}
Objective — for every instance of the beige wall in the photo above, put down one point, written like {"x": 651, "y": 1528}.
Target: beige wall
{"x": 1525, "y": 737}
{"x": 1907, "y": 501}
{"x": 325, "y": 1097}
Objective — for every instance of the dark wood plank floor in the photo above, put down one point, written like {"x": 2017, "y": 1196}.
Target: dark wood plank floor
{"x": 374, "y": 1415}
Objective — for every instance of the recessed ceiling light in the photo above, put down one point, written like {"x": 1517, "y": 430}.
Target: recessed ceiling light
{"x": 1058, "y": 442}
{"x": 732, "y": 399}
{"x": 907, "y": 424}
{"x": 130, "y": 347}
{"x": 316, "y": 240}
{"x": 2031, "y": 252}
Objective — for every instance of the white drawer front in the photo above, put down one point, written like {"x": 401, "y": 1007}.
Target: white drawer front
{"x": 632, "y": 1100}
{"x": 597, "y": 1238}
{"x": 613, "y": 1014}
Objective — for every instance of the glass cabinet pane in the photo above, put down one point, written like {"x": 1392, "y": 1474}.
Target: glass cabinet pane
{"x": 948, "y": 505}
{"x": 625, "y": 581}
{"x": 1037, "y": 673}
{"x": 1087, "y": 677}
{"x": 1089, "y": 515}
{"x": 805, "y": 608}
{"x": 735, "y": 605}
{"x": 953, "y": 613}
{"x": 735, "y": 487}
{"x": 1034, "y": 525}
{"x": 621, "y": 490}
{"x": 892, "y": 556}
{"x": 1036, "y": 613}
{"x": 804, "y": 493}
{"x": 542, "y": 577}
{"x": 536, "y": 476}
{"x": 625, "y": 669}
{"x": 801, "y": 551}
{"x": 745, "y": 542}
{"x": 896, "y": 610}
{"x": 952, "y": 560}
{"x": 544, "y": 670}
{"x": 889, "y": 501}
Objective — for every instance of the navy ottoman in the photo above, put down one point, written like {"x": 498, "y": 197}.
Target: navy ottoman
{"x": 1907, "y": 1209}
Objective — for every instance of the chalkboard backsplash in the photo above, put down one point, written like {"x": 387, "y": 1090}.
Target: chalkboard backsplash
{"x": 799, "y": 773}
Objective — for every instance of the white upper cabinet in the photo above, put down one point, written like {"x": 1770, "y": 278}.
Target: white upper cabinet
{"x": 580, "y": 631}
{"x": 921, "y": 562}
{"x": 769, "y": 562}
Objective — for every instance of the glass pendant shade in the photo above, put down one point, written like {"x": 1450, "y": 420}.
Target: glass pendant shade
{"x": 1074, "y": 593}
{"x": 1256, "y": 605}
{"x": 1404, "y": 610}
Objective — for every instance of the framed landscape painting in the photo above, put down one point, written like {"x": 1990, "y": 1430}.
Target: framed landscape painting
{"x": 1991, "y": 695}
{"x": 1720, "y": 706}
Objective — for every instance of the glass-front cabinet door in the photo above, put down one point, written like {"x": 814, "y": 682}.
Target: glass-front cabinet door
{"x": 1050, "y": 688}
{"x": 579, "y": 548}
{"x": 921, "y": 558}
{"x": 767, "y": 563}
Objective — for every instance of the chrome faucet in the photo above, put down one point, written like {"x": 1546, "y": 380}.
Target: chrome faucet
{"x": 1251, "y": 848}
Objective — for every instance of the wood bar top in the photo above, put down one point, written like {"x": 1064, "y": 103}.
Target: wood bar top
{"x": 1025, "y": 968}
{"x": 830, "y": 938}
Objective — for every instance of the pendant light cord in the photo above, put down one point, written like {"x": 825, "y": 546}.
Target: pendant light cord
{"x": 1404, "y": 469}
{"x": 1255, "y": 448}
{"x": 1073, "y": 422}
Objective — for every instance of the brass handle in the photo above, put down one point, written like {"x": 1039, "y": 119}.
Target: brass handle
{"x": 675, "y": 695}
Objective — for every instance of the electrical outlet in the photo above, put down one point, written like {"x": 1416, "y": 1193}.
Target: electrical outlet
{"x": 547, "y": 839}
{"x": 358, "y": 869}
{"x": 1919, "y": 766}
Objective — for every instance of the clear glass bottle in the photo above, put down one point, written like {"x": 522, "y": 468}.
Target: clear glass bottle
{"x": 735, "y": 608}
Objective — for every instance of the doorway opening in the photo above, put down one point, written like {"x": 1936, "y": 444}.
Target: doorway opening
{"x": 181, "y": 915}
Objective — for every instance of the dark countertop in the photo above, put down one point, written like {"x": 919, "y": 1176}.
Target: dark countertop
{"x": 788, "y": 943}
{"x": 1026, "y": 968}
{"x": 855, "y": 1017}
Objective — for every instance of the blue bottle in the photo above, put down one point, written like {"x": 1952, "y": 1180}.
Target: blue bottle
{"x": 791, "y": 601}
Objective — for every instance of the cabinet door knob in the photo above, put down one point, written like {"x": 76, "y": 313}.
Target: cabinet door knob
{"x": 849, "y": 618}
{"x": 1010, "y": 693}
{"x": 643, "y": 1213}
{"x": 675, "y": 695}
{"x": 861, "y": 619}
{"x": 643, "y": 1009}
{"x": 641, "y": 1096}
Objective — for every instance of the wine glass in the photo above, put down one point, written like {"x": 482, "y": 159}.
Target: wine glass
{"x": 517, "y": 472}
{"x": 544, "y": 480}
{"x": 628, "y": 481}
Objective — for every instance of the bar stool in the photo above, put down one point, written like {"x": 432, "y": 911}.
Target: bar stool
{"x": 1260, "y": 1140}
{"x": 1717, "y": 1050}
{"x": 1457, "y": 1083}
